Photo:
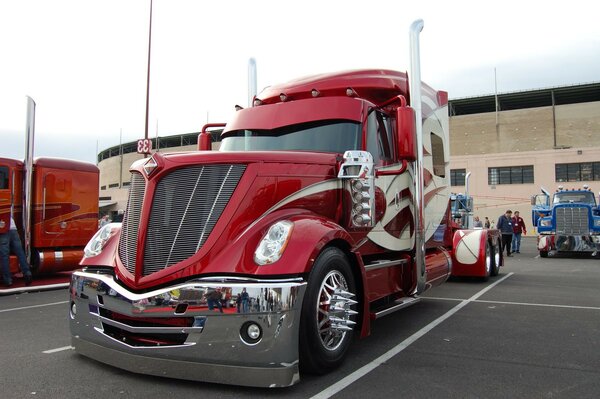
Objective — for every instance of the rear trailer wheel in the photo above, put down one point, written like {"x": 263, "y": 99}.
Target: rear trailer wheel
{"x": 328, "y": 313}
{"x": 495, "y": 256}
{"x": 488, "y": 262}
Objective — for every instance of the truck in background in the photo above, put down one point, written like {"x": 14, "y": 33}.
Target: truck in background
{"x": 569, "y": 224}
{"x": 325, "y": 208}
{"x": 464, "y": 265}
{"x": 54, "y": 204}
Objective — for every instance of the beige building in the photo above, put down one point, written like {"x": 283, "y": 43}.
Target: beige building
{"x": 512, "y": 143}
{"x": 541, "y": 138}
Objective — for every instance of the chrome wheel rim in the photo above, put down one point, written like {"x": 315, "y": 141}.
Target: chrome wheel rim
{"x": 488, "y": 260}
{"x": 333, "y": 310}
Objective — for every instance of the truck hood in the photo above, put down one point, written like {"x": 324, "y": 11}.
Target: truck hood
{"x": 188, "y": 212}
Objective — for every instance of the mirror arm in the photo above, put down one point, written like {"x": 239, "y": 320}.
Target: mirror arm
{"x": 379, "y": 172}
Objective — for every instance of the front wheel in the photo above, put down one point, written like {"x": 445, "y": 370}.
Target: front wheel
{"x": 328, "y": 313}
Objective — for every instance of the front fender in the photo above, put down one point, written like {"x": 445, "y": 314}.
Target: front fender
{"x": 310, "y": 234}
{"x": 468, "y": 257}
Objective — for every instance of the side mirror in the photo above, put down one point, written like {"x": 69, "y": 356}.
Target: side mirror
{"x": 405, "y": 134}
{"x": 204, "y": 142}
{"x": 205, "y": 139}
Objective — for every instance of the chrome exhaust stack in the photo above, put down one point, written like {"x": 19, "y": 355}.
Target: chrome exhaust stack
{"x": 414, "y": 84}
{"x": 251, "y": 81}
{"x": 28, "y": 178}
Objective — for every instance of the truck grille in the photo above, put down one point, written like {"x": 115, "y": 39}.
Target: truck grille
{"x": 186, "y": 206}
{"x": 572, "y": 221}
{"x": 129, "y": 233}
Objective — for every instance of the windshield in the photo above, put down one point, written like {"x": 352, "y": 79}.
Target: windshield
{"x": 322, "y": 136}
{"x": 575, "y": 197}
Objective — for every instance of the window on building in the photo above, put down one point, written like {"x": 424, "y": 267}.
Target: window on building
{"x": 457, "y": 177}
{"x": 510, "y": 175}
{"x": 102, "y": 187}
{"x": 437, "y": 155}
{"x": 126, "y": 184}
{"x": 584, "y": 171}
{"x": 114, "y": 185}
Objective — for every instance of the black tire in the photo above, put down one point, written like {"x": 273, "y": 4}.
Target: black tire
{"x": 544, "y": 254}
{"x": 322, "y": 348}
{"x": 488, "y": 262}
{"x": 495, "y": 258}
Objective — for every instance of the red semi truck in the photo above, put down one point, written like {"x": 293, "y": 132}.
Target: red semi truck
{"x": 54, "y": 203}
{"x": 325, "y": 208}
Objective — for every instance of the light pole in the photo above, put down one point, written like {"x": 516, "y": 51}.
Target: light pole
{"x": 148, "y": 75}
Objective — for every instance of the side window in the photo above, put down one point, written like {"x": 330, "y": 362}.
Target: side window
{"x": 437, "y": 154}
{"x": 3, "y": 177}
{"x": 379, "y": 137}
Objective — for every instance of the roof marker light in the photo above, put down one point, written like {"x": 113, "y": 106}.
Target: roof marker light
{"x": 350, "y": 92}
{"x": 283, "y": 97}
{"x": 257, "y": 102}
{"x": 238, "y": 107}
{"x": 315, "y": 93}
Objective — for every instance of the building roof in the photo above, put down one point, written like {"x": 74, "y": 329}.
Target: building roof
{"x": 582, "y": 93}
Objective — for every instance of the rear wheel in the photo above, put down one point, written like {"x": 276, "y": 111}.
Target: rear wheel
{"x": 495, "y": 258}
{"x": 327, "y": 320}
{"x": 488, "y": 262}
{"x": 544, "y": 254}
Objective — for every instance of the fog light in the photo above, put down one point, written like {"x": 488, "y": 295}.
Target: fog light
{"x": 253, "y": 331}
{"x": 250, "y": 333}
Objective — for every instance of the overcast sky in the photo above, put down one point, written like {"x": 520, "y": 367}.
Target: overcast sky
{"x": 84, "y": 62}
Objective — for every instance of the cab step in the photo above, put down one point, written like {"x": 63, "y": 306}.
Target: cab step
{"x": 394, "y": 306}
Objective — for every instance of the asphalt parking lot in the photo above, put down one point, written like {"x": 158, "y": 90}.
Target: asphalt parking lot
{"x": 531, "y": 332}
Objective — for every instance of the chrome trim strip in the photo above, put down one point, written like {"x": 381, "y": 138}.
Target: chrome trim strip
{"x": 385, "y": 263}
{"x": 399, "y": 305}
{"x": 153, "y": 330}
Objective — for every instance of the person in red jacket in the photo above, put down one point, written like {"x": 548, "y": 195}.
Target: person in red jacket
{"x": 518, "y": 229}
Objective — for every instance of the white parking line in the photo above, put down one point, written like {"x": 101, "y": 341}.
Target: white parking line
{"x": 351, "y": 378}
{"x": 33, "y": 306}
{"x": 548, "y": 305}
{"x": 64, "y": 348}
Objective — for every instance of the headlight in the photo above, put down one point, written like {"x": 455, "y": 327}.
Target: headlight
{"x": 96, "y": 244}
{"x": 596, "y": 222}
{"x": 545, "y": 222}
{"x": 273, "y": 244}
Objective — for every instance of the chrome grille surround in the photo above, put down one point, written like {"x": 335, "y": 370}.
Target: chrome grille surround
{"x": 186, "y": 206}
{"x": 129, "y": 231}
{"x": 572, "y": 221}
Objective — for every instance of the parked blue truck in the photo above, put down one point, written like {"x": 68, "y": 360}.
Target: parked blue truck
{"x": 569, "y": 224}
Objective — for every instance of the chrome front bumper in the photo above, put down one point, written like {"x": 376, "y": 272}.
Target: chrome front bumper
{"x": 171, "y": 332}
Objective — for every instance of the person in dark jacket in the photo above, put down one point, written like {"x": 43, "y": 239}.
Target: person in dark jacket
{"x": 505, "y": 225}
{"x": 518, "y": 229}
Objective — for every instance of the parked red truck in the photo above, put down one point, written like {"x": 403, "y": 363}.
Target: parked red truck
{"x": 326, "y": 207}
{"x": 467, "y": 262}
{"x": 54, "y": 203}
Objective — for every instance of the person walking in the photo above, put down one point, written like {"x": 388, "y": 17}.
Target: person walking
{"x": 11, "y": 241}
{"x": 518, "y": 229}
{"x": 505, "y": 225}
{"x": 486, "y": 223}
